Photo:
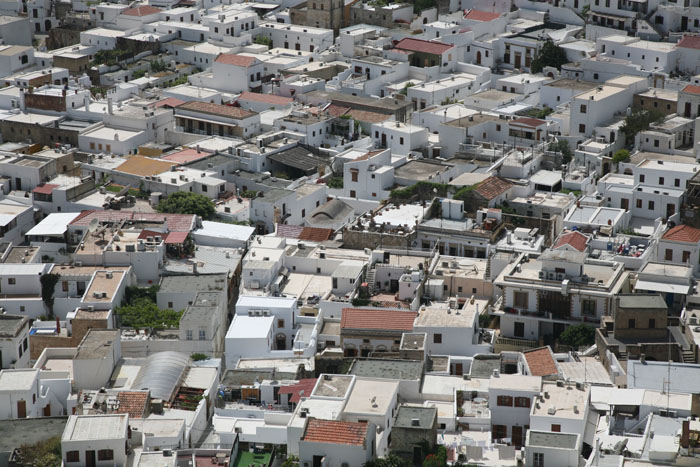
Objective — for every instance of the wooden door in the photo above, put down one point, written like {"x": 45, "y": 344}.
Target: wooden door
{"x": 89, "y": 458}
{"x": 517, "y": 436}
{"x": 22, "y": 409}
{"x": 459, "y": 370}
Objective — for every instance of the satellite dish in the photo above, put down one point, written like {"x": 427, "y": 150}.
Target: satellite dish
{"x": 93, "y": 225}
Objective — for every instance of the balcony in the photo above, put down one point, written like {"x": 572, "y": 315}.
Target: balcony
{"x": 502, "y": 310}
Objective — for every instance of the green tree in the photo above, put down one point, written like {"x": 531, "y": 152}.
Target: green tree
{"x": 198, "y": 357}
{"x": 577, "y": 336}
{"x": 621, "y": 155}
{"x": 562, "y": 147}
{"x": 549, "y": 54}
{"x": 639, "y": 120}
{"x": 143, "y": 313}
{"x": 185, "y": 202}
{"x": 335, "y": 182}
{"x": 291, "y": 461}
{"x": 439, "y": 459}
{"x": 42, "y": 454}
{"x": 420, "y": 5}
{"x": 263, "y": 40}
{"x": 48, "y": 287}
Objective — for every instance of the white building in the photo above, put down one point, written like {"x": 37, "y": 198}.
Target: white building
{"x": 96, "y": 440}
{"x": 14, "y": 341}
{"x": 282, "y": 309}
{"x": 510, "y": 400}
{"x": 248, "y": 337}
{"x": 400, "y": 138}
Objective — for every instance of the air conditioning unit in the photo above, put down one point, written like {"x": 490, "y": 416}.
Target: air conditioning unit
{"x": 551, "y": 275}
{"x": 542, "y": 274}
{"x": 561, "y": 276}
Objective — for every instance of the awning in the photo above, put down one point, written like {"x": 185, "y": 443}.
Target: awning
{"x": 176, "y": 238}
{"x": 45, "y": 189}
{"x": 298, "y": 158}
{"x": 662, "y": 287}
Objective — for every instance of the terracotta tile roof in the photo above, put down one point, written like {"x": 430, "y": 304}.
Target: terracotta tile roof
{"x": 419, "y": 45}
{"x": 301, "y": 389}
{"x": 683, "y": 233}
{"x": 236, "y": 60}
{"x": 133, "y": 403}
{"x": 176, "y": 222}
{"x": 265, "y": 98}
{"x": 493, "y": 187}
{"x": 311, "y": 234}
{"x": 144, "y": 10}
{"x": 368, "y": 116}
{"x": 574, "y": 239}
{"x": 380, "y": 320}
{"x": 335, "y": 432}
{"x": 185, "y": 156}
{"x": 169, "y": 102}
{"x": 529, "y": 121}
{"x": 143, "y": 166}
{"x": 541, "y": 362}
{"x": 315, "y": 234}
{"x": 216, "y": 109}
{"x": 692, "y": 89}
{"x": 479, "y": 15}
{"x": 145, "y": 233}
{"x": 176, "y": 238}
{"x": 45, "y": 189}
{"x": 336, "y": 110}
{"x": 690, "y": 42}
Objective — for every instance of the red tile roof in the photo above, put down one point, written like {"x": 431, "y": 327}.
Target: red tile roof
{"x": 169, "y": 102}
{"x": 45, "y": 189}
{"x": 692, "y": 89}
{"x": 176, "y": 238}
{"x": 216, "y": 109}
{"x": 690, "y": 42}
{"x": 683, "y": 233}
{"x": 312, "y": 234}
{"x": 176, "y": 222}
{"x": 301, "y": 389}
{"x": 133, "y": 403}
{"x": 479, "y": 15}
{"x": 529, "y": 121}
{"x": 265, "y": 98}
{"x": 336, "y": 110}
{"x": 380, "y": 320}
{"x": 144, "y": 10}
{"x": 145, "y": 233}
{"x": 419, "y": 45}
{"x": 576, "y": 240}
{"x": 186, "y": 155}
{"x": 368, "y": 116}
{"x": 335, "y": 432}
{"x": 541, "y": 362}
{"x": 236, "y": 60}
{"x": 493, "y": 187}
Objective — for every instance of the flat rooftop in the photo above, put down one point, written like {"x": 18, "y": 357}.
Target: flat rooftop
{"x": 332, "y": 386}
{"x": 565, "y": 401}
{"x": 97, "y": 343}
{"x": 547, "y": 439}
{"x": 12, "y": 325}
{"x": 106, "y": 284}
{"x": 18, "y": 380}
{"x": 370, "y": 396}
{"x": 96, "y": 427}
{"x": 406, "y": 415}
{"x": 388, "y": 369}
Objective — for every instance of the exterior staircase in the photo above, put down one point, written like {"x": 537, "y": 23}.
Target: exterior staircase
{"x": 622, "y": 357}
{"x": 371, "y": 284}
{"x": 688, "y": 356}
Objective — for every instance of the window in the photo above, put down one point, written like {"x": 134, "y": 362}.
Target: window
{"x": 556, "y": 428}
{"x": 499, "y": 431}
{"x": 668, "y": 255}
{"x": 639, "y": 203}
{"x": 651, "y": 205}
{"x": 522, "y": 402}
{"x": 538, "y": 457}
{"x": 652, "y": 323}
{"x": 11, "y": 281}
{"x": 64, "y": 286}
{"x": 353, "y": 174}
{"x": 641, "y": 178}
{"x": 202, "y": 335}
{"x": 353, "y": 194}
{"x": 401, "y": 140}
{"x": 630, "y": 324}
{"x": 188, "y": 334}
{"x": 504, "y": 401}
{"x": 583, "y": 108}
{"x": 588, "y": 307}
{"x": 73, "y": 456}
{"x": 686, "y": 257}
{"x": 303, "y": 213}
{"x": 437, "y": 338}
{"x": 581, "y": 128}
{"x": 280, "y": 323}
{"x": 520, "y": 299}
{"x": 661, "y": 180}
{"x": 677, "y": 182}
{"x": 105, "y": 455}
{"x": 170, "y": 305}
